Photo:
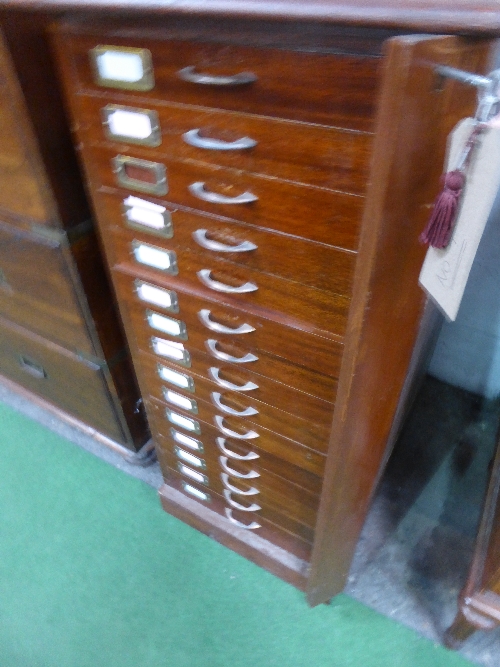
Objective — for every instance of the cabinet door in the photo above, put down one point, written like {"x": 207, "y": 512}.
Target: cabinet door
{"x": 416, "y": 112}
{"x": 24, "y": 188}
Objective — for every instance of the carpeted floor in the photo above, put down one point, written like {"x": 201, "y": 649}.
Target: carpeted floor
{"x": 94, "y": 574}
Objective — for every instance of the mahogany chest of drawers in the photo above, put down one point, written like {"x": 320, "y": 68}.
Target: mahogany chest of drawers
{"x": 60, "y": 337}
{"x": 260, "y": 188}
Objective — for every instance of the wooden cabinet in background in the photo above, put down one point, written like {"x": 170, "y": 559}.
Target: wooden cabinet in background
{"x": 479, "y": 602}
{"x": 60, "y": 339}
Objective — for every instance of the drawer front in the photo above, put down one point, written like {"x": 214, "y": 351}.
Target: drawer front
{"x": 268, "y": 523}
{"x": 241, "y": 382}
{"x": 210, "y": 444}
{"x": 242, "y": 482}
{"x": 291, "y": 258}
{"x": 285, "y": 463}
{"x": 267, "y": 489}
{"x": 36, "y": 289}
{"x": 215, "y": 399}
{"x": 267, "y": 340}
{"x": 235, "y": 431}
{"x": 257, "y": 508}
{"x": 208, "y": 402}
{"x": 275, "y": 445}
{"x": 319, "y": 156}
{"x": 312, "y": 213}
{"x": 322, "y": 312}
{"x": 330, "y": 89}
{"x": 74, "y": 385}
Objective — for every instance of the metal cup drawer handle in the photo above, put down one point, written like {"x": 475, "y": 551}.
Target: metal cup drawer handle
{"x": 247, "y": 412}
{"x": 192, "y": 137}
{"x": 199, "y": 191}
{"x": 249, "y": 435}
{"x": 211, "y": 344}
{"x": 252, "y": 474}
{"x": 200, "y": 236}
{"x": 252, "y": 491}
{"x": 192, "y": 76}
{"x": 221, "y": 444}
{"x": 204, "y": 276}
{"x": 237, "y": 506}
{"x": 214, "y": 374}
{"x": 250, "y": 526}
{"x": 204, "y": 317}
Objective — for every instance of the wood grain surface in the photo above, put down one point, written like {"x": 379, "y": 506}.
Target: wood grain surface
{"x": 388, "y": 303}
{"x": 270, "y": 341}
{"x": 312, "y": 213}
{"x": 315, "y": 155}
{"x": 278, "y": 254}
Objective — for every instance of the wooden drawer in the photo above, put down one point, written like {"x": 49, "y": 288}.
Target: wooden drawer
{"x": 316, "y": 214}
{"x": 278, "y": 348}
{"x": 291, "y": 462}
{"x": 73, "y": 384}
{"x": 269, "y": 511}
{"x": 321, "y": 312}
{"x": 269, "y": 521}
{"x": 331, "y": 89}
{"x": 202, "y": 391}
{"x": 288, "y": 257}
{"x": 224, "y": 377}
{"x": 36, "y": 289}
{"x": 274, "y": 444}
{"x": 314, "y": 155}
{"x": 271, "y": 491}
{"x": 292, "y": 508}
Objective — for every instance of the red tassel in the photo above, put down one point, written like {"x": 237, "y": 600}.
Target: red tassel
{"x": 440, "y": 226}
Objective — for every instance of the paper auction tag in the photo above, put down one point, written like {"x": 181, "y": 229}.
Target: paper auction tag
{"x": 445, "y": 272}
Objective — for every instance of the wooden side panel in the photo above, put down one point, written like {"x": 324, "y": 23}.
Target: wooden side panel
{"x": 24, "y": 190}
{"x": 25, "y": 36}
{"x": 413, "y": 123}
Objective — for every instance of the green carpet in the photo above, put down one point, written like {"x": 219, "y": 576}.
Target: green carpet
{"x": 93, "y": 573}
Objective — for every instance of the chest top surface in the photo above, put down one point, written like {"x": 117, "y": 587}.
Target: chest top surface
{"x": 470, "y": 17}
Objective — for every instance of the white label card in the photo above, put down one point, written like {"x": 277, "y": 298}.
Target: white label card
{"x": 164, "y": 324}
{"x": 131, "y": 124}
{"x": 155, "y": 295}
{"x": 144, "y": 212}
{"x": 159, "y": 259}
{"x": 175, "y": 378}
{"x": 445, "y": 272}
{"x": 178, "y": 399}
{"x": 183, "y": 422}
{"x": 186, "y": 440}
{"x": 167, "y": 348}
{"x": 120, "y": 66}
